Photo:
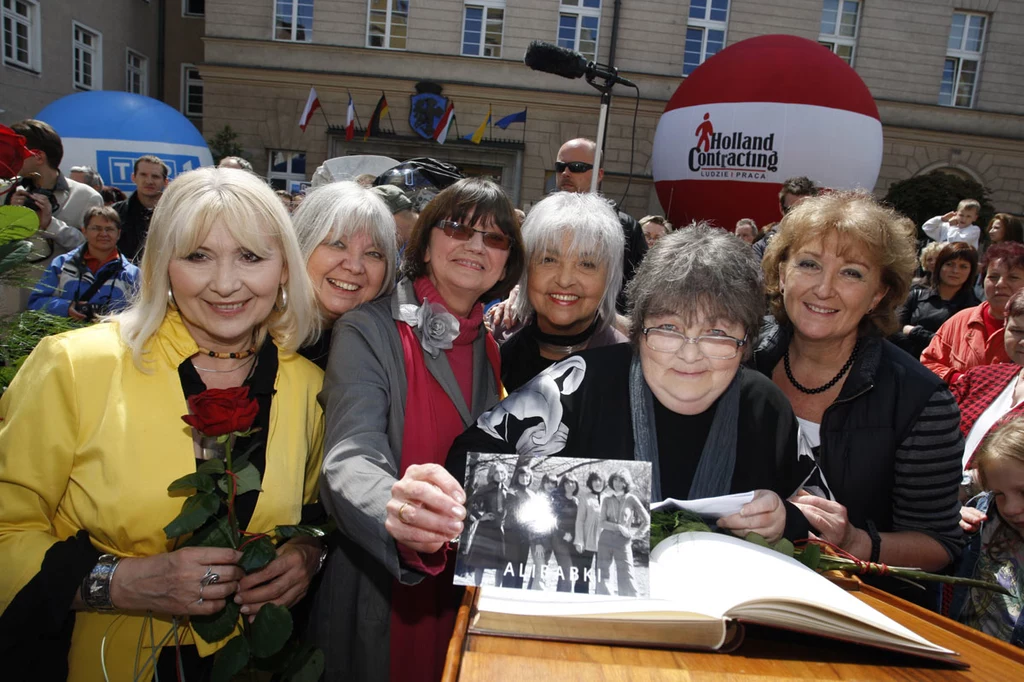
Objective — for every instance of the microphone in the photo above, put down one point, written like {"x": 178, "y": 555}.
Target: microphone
{"x": 568, "y": 63}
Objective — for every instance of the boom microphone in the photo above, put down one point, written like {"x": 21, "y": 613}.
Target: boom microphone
{"x": 568, "y": 63}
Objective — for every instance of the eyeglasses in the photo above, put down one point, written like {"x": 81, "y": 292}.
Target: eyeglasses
{"x": 463, "y": 233}
{"x": 573, "y": 166}
{"x": 712, "y": 347}
{"x": 104, "y": 230}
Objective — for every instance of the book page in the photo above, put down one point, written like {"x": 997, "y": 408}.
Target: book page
{"x": 721, "y": 575}
{"x": 712, "y": 507}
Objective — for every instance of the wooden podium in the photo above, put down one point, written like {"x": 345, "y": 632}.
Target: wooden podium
{"x": 764, "y": 654}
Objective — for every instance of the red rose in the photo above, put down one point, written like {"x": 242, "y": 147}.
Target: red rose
{"x": 218, "y": 411}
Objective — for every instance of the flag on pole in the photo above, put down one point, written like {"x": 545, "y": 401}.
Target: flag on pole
{"x": 441, "y": 131}
{"x": 350, "y": 120}
{"x": 312, "y": 104}
{"x": 478, "y": 135}
{"x": 518, "y": 117}
{"x": 373, "y": 127}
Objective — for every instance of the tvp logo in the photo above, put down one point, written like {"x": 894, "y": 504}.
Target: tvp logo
{"x": 116, "y": 167}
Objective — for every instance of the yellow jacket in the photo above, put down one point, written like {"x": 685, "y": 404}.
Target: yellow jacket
{"x": 88, "y": 442}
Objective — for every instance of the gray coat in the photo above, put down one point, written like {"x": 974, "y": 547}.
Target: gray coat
{"x": 364, "y": 400}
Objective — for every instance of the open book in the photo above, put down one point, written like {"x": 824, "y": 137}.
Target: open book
{"x": 703, "y": 585}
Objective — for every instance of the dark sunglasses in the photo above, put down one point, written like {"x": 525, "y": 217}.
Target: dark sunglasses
{"x": 573, "y": 166}
{"x": 463, "y": 233}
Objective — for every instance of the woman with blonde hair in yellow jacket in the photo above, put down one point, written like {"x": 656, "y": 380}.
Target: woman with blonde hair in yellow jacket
{"x": 91, "y": 434}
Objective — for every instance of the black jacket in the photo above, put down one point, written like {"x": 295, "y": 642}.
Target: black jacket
{"x": 636, "y": 249}
{"x": 926, "y": 311}
{"x": 134, "y": 227}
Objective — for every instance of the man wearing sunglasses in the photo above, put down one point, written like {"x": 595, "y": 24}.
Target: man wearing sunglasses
{"x": 574, "y": 170}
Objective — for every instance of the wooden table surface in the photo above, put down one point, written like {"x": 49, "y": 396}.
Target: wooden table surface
{"x": 766, "y": 654}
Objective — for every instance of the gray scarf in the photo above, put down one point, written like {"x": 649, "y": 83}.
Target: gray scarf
{"x": 718, "y": 458}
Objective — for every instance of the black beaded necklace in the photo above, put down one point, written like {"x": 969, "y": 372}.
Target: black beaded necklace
{"x": 820, "y": 389}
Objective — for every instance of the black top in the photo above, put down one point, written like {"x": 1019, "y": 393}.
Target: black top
{"x": 320, "y": 350}
{"x": 520, "y": 354}
{"x": 927, "y": 311}
{"x": 134, "y": 227}
{"x": 595, "y": 421}
{"x": 632, "y": 256}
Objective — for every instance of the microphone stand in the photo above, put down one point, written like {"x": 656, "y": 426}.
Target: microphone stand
{"x": 608, "y": 76}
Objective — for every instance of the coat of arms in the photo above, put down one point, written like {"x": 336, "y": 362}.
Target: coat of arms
{"x": 427, "y": 109}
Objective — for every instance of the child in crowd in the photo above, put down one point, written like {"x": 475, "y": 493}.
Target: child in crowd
{"x": 996, "y": 550}
{"x": 956, "y": 226}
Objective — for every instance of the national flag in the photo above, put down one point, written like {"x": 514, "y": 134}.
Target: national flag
{"x": 373, "y": 127}
{"x": 350, "y": 120}
{"x": 441, "y": 131}
{"x": 479, "y": 133}
{"x": 518, "y": 117}
{"x": 312, "y": 104}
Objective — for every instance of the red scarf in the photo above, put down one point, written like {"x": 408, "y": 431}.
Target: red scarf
{"x": 423, "y": 615}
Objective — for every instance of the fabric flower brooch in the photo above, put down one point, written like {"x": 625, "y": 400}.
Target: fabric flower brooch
{"x": 438, "y": 327}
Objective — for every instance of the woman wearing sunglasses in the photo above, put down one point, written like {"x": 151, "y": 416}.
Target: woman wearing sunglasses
{"x": 407, "y": 373}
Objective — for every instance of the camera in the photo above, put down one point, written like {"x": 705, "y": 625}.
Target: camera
{"x": 90, "y": 310}
{"x": 30, "y": 183}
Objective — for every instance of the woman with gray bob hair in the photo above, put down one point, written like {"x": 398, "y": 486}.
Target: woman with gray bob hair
{"x": 678, "y": 396}
{"x": 574, "y": 246}
{"x": 347, "y": 236}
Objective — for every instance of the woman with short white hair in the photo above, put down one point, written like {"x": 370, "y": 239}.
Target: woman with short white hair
{"x": 574, "y": 246}
{"x": 347, "y": 237}
{"x": 91, "y": 435}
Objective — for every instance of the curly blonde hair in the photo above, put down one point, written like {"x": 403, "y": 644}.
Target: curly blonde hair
{"x": 850, "y": 216}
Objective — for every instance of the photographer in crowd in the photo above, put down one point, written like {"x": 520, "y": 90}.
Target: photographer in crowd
{"x": 92, "y": 280}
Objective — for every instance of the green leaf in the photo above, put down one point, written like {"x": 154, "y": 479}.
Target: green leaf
{"x": 201, "y": 482}
{"x": 257, "y": 554}
{"x": 211, "y": 466}
{"x": 248, "y": 480}
{"x": 230, "y": 660}
{"x": 217, "y": 626}
{"x": 214, "y": 535}
{"x": 194, "y": 513}
{"x": 311, "y": 670}
{"x": 757, "y": 540}
{"x": 810, "y": 556}
{"x": 14, "y": 254}
{"x": 289, "y": 532}
{"x": 17, "y": 223}
{"x": 270, "y": 630}
{"x": 784, "y": 546}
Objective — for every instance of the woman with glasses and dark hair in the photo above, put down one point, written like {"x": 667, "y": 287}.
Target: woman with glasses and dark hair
{"x": 406, "y": 374}
{"x": 676, "y": 396}
{"x": 951, "y": 290}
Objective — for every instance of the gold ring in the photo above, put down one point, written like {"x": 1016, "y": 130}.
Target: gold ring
{"x": 400, "y": 510}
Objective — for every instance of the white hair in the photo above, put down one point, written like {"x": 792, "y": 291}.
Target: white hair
{"x": 254, "y": 217}
{"x": 595, "y": 230}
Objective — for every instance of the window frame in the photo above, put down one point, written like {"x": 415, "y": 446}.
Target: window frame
{"x": 294, "y": 22}
{"x": 290, "y": 175}
{"x": 96, "y": 51}
{"x": 483, "y": 5}
{"x": 579, "y": 11}
{"x": 185, "y": 83}
{"x": 191, "y": 15}
{"x": 960, "y": 55}
{"x": 387, "y": 36}
{"x": 33, "y": 35}
{"x": 832, "y": 41}
{"x": 706, "y": 25}
{"x": 143, "y": 72}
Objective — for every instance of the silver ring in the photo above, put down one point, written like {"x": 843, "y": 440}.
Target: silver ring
{"x": 209, "y": 579}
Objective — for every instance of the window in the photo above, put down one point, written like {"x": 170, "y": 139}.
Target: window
{"x": 839, "y": 20}
{"x": 21, "y": 34}
{"x": 293, "y": 20}
{"x": 578, "y": 24}
{"x": 193, "y": 8}
{"x": 482, "y": 27}
{"x": 136, "y": 77}
{"x": 287, "y": 170}
{"x": 963, "y": 59}
{"x": 388, "y": 24}
{"x": 87, "y": 49}
{"x": 191, "y": 91}
{"x": 705, "y": 32}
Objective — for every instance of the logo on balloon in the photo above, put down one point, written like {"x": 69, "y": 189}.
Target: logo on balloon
{"x": 733, "y": 155}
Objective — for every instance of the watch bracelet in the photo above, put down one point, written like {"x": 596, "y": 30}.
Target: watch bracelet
{"x": 96, "y": 585}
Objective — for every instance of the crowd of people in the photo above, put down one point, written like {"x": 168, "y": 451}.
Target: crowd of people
{"x": 797, "y": 361}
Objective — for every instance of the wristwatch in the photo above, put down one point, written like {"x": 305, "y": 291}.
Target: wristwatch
{"x": 96, "y": 585}
{"x": 323, "y": 557}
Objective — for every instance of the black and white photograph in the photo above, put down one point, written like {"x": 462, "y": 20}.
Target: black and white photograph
{"x": 556, "y": 524}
